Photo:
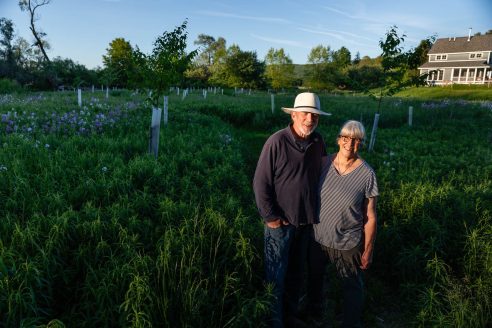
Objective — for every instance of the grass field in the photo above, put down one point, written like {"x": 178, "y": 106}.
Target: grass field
{"x": 95, "y": 232}
{"x": 453, "y": 91}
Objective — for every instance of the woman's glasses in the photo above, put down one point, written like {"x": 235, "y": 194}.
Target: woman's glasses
{"x": 346, "y": 139}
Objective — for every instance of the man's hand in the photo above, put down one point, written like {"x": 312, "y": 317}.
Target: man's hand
{"x": 277, "y": 223}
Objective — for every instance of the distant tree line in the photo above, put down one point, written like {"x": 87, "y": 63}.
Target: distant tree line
{"x": 214, "y": 63}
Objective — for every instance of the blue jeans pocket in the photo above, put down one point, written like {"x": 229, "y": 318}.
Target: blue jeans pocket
{"x": 275, "y": 233}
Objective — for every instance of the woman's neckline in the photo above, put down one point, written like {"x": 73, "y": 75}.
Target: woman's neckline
{"x": 358, "y": 163}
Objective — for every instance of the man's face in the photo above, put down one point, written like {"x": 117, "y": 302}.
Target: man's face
{"x": 304, "y": 123}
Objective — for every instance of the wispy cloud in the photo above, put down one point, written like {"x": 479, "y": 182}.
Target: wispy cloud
{"x": 335, "y": 33}
{"x": 253, "y": 18}
{"x": 280, "y": 41}
{"x": 386, "y": 19}
{"x": 340, "y": 35}
{"x": 343, "y": 13}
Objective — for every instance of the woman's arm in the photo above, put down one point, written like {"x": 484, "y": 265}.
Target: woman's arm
{"x": 370, "y": 228}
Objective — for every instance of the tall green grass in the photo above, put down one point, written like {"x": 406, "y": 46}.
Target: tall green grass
{"x": 95, "y": 232}
{"x": 453, "y": 91}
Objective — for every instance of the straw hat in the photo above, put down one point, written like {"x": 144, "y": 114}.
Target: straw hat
{"x": 306, "y": 102}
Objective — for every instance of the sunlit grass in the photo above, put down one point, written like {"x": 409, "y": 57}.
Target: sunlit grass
{"x": 95, "y": 232}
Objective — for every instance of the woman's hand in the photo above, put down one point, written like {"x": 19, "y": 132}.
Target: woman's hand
{"x": 366, "y": 259}
{"x": 370, "y": 227}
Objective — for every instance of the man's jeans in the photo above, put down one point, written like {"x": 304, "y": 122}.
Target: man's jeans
{"x": 285, "y": 257}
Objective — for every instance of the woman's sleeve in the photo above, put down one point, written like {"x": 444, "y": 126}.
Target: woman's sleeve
{"x": 372, "y": 185}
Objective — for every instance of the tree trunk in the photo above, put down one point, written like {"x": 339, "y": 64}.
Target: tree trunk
{"x": 39, "y": 42}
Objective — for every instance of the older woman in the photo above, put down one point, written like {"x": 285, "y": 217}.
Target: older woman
{"x": 347, "y": 228}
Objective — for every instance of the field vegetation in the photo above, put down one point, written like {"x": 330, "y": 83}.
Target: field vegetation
{"x": 453, "y": 91}
{"x": 96, "y": 232}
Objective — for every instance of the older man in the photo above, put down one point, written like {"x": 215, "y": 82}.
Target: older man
{"x": 286, "y": 188}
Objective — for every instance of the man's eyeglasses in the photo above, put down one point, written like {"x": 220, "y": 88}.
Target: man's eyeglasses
{"x": 346, "y": 139}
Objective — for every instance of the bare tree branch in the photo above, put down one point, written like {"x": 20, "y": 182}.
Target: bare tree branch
{"x": 31, "y": 6}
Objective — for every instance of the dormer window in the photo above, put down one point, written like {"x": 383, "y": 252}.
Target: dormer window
{"x": 475, "y": 55}
{"x": 441, "y": 57}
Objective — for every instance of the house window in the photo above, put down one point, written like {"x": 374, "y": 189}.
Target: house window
{"x": 475, "y": 55}
{"x": 436, "y": 75}
{"x": 441, "y": 57}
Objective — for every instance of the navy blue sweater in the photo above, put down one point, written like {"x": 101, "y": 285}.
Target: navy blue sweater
{"x": 287, "y": 176}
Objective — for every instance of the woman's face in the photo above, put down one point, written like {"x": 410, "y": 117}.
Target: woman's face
{"x": 348, "y": 145}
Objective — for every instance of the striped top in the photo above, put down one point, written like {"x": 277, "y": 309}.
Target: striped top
{"x": 342, "y": 199}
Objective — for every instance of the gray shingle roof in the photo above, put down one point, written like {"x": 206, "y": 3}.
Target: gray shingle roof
{"x": 474, "y": 63}
{"x": 460, "y": 44}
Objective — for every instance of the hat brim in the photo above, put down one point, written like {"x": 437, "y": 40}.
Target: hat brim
{"x": 305, "y": 109}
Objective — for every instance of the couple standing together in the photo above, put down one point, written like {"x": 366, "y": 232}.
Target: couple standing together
{"x": 317, "y": 207}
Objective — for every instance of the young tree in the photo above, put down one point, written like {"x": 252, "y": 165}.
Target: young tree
{"x": 279, "y": 69}
{"x": 31, "y": 6}
{"x": 395, "y": 63}
{"x": 168, "y": 62}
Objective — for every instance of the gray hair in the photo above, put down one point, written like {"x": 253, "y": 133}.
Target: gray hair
{"x": 353, "y": 129}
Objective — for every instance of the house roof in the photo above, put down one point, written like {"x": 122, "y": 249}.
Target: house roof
{"x": 450, "y": 64}
{"x": 461, "y": 44}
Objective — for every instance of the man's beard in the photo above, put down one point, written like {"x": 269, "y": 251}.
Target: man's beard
{"x": 305, "y": 131}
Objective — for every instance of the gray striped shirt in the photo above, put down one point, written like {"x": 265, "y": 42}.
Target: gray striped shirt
{"x": 342, "y": 199}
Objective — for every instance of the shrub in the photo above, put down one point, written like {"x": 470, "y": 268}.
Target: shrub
{"x": 9, "y": 86}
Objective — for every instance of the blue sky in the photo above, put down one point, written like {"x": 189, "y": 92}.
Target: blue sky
{"x": 82, "y": 29}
